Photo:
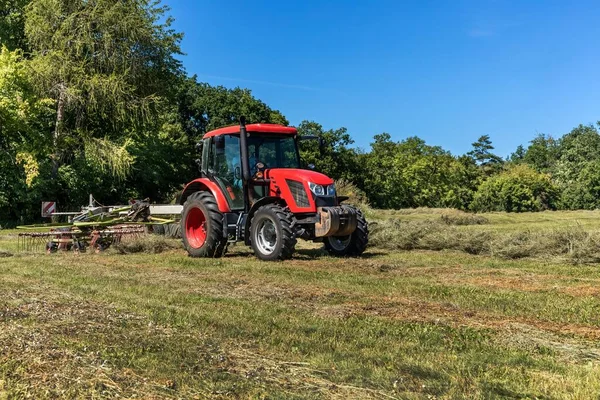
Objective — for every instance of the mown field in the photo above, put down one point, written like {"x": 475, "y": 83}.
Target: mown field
{"x": 505, "y": 310}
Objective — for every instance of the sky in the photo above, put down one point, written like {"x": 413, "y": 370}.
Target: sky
{"x": 446, "y": 71}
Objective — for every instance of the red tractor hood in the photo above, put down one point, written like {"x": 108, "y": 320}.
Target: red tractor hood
{"x": 302, "y": 175}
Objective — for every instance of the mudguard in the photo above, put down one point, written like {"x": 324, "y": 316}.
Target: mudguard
{"x": 205, "y": 184}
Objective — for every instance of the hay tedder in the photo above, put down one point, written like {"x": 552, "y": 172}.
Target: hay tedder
{"x": 96, "y": 227}
{"x": 251, "y": 189}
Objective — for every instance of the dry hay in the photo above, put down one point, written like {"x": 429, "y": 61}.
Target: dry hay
{"x": 574, "y": 245}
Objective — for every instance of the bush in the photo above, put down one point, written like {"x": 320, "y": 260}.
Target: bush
{"x": 517, "y": 189}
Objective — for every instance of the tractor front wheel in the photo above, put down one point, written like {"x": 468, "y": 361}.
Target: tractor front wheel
{"x": 271, "y": 233}
{"x": 352, "y": 245}
{"x": 202, "y": 226}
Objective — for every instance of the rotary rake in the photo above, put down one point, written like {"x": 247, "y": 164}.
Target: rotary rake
{"x": 96, "y": 227}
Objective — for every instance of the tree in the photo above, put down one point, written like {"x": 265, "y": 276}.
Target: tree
{"x": 518, "y": 156}
{"x": 517, "y": 189}
{"x": 22, "y": 117}
{"x": 382, "y": 188}
{"x": 584, "y": 192}
{"x": 576, "y": 169}
{"x": 203, "y": 107}
{"x": 482, "y": 155}
{"x": 412, "y": 174}
{"x": 542, "y": 153}
{"x": 105, "y": 63}
{"x": 12, "y": 24}
{"x": 334, "y": 157}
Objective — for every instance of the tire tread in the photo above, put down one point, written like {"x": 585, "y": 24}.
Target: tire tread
{"x": 215, "y": 245}
{"x": 286, "y": 221}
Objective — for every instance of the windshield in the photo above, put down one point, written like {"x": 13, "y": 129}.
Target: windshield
{"x": 273, "y": 151}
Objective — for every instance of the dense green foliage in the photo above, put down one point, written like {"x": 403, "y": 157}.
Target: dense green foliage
{"x": 518, "y": 188}
{"x": 93, "y": 99}
{"x": 413, "y": 174}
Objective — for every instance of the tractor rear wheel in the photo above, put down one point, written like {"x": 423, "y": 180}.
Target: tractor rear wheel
{"x": 352, "y": 245}
{"x": 202, "y": 226}
{"x": 271, "y": 233}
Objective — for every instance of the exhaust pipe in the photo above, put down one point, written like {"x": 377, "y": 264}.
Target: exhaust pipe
{"x": 245, "y": 161}
{"x": 244, "y": 151}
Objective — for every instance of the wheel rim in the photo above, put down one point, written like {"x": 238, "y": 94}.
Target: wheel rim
{"x": 195, "y": 228}
{"x": 340, "y": 243}
{"x": 266, "y": 236}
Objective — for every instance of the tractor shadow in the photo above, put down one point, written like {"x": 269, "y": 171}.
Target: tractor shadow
{"x": 304, "y": 254}
{"x": 314, "y": 254}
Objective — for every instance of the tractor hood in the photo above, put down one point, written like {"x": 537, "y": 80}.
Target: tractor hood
{"x": 302, "y": 175}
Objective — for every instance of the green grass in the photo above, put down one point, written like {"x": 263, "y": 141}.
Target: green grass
{"x": 501, "y": 221}
{"x": 393, "y": 324}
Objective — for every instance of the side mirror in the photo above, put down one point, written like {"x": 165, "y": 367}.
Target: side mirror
{"x": 237, "y": 173}
{"x": 199, "y": 146}
{"x": 311, "y": 166}
{"x": 314, "y": 137}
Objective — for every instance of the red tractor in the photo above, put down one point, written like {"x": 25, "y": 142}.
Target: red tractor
{"x": 252, "y": 189}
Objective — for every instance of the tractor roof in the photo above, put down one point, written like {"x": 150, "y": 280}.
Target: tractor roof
{"x": 273, "y": 129}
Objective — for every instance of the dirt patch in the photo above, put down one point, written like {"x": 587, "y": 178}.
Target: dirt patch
{"x": 330, "y": 303}
{"x": 449, "y": 314}
{"x": 530, "y": 338}
{"x": 583, "y": 290}
{"x": 521, "y": 281}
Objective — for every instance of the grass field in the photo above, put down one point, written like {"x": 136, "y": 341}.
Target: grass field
{"x": 392, "y": 324}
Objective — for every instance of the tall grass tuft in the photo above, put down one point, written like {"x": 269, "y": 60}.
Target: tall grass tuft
{"x": 356, "y": 197}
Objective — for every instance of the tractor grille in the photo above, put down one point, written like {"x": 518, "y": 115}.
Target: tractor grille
{"x": 298, "y": 192}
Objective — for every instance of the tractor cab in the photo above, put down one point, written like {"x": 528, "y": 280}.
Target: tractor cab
{"x": 221, "y": 160}
{"x": 252, "y": 188}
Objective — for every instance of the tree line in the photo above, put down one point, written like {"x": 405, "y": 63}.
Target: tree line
{"x": 94, "y": 99}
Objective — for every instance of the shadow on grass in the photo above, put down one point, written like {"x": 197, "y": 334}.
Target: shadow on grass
{"x": 305, "y": 254}
{"x": 500, "y": 391}
{"x": 318, "y": 253}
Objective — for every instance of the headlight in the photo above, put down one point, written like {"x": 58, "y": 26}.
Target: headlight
{"x": 316, "y": 189}
{"x": 331, "y": 190}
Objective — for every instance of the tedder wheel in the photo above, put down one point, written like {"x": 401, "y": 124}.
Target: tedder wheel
{"x": 202, "y": 226}
{"x": 352, "y": 245}
{"x": 271, "y": 233}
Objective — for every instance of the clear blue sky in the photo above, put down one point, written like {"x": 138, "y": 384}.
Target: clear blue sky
{"x": 446, "y": 71}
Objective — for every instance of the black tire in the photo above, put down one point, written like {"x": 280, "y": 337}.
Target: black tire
{"x": 282, "y": 235}
{"x": 51, "y": 247}
{"x": 79, "y": 246}
{"x": 201, "y": 217}
{"x": 355, "y": 244}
